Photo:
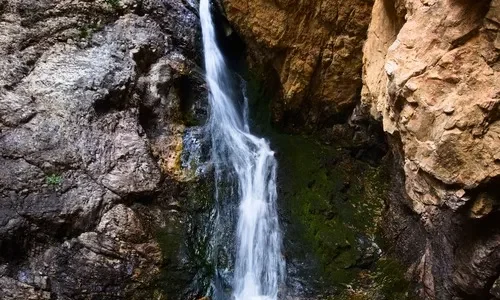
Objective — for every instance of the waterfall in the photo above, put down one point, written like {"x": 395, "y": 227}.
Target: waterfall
{"x": 248, "y": 160}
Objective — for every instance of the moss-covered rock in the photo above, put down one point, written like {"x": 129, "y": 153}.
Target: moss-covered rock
{"x": 183, "y": 234}
{"x": 336, "y": 200}
{"x": 331, "y": 204}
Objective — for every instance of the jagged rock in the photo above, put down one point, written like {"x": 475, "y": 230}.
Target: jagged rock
{"x": 495, "y": 289}
{"x": 441, "y": 97}
{"x": 80, "y": 123}
{"x": 12, "y": 289}
{"x": 482, "y": 206}
{"x": 431, "y": 75}
{"x": 314, "y": 47}
{"x": 109, "y": 262}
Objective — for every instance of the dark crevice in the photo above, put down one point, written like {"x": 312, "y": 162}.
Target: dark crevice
{"x": 190, "y": 89}
{"x": 144, "y": 58}
{"x": 230, "y": 43}
{"x": 395, "y": 18}
{"x": 139, "y": 9}
{"x": 115, "y": 100}
{"x": 144, "y": 198}
{"x": 147, "y": 119}
{"x": 464, "y": 38}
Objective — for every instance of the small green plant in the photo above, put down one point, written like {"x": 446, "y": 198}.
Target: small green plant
{"x": 84, "y": 32}
{"x": 113, "y": 3}
{"x": 87, "y": 30}
{"x": 54, "y": 179}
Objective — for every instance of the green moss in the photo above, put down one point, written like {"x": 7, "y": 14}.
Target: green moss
{"x": 88, "y": 30}
{"x": 386, "y": 281}
{"x": 334, "y": 201}
{"x": 190, "y": 120}
{"x": 84, "y": 32}
{"x": 389, "y": 279}
{"x": 186, "y": 268}
{"x": 191, "y": 240}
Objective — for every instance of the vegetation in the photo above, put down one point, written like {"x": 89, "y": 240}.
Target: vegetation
{"x": 113, "y": 3}
{"x": 54, "y": 179}
{"x": 336, "y": 200}
{"x": 334, "y": 204}
{"x": 85, "y": 32}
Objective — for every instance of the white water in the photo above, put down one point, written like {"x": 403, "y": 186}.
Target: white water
{"x": 259, "y": 265}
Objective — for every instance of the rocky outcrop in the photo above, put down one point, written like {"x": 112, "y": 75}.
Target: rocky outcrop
{"x": 431, "y": 75}
{"x": 313, "y": 47}
{"x": 95, "y": 97}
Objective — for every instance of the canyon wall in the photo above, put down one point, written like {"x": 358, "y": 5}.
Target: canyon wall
{"x": 430, "y": 78}
{"x": 100, "y": 147}
{"x": 95, "y": 99}
{"x": 434, "y": 82}
{"x": 313, "y": 47}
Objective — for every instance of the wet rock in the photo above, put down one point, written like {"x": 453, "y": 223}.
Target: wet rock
{"x": 83, "y": 88}
{"x": 369, "y": 250}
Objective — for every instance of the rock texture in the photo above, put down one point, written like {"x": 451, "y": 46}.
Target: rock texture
{"x": 94, "y": 101}
{"x": 313, "y": 47}
{"x": 431, "y": 75}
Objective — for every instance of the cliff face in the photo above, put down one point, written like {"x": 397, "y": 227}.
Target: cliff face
{"x": 99, "y": 107}
{"x": 313, "y": 47}
{"x": 441, "y": 97}
{"x": 93, "y": 106}
{"x": 433, "y": 80}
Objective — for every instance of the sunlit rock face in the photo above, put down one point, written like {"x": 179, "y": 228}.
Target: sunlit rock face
{"x": 431, "y": 75}
{"x": 314, "y": 47}
{"x": 441, "y": 94}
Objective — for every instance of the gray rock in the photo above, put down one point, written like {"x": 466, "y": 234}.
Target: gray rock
{"x": 87, "y": 89}
{"x": 495, "y": 289}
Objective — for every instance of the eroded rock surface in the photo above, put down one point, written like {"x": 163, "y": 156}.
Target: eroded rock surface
{"x": 314, "y": 47}
{"x": 90, "y": 92}
{"x": 431, "y": 75}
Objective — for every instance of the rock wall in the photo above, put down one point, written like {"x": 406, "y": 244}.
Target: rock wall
{"x": 99, "y": 102}
{"x": 95, "y": 97}
{"x": 431, "y": 75}
{"x": 313, "y": 47}
{"x": 430, "y": 72}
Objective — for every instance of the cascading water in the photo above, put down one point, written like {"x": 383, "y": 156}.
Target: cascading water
{"x": 248, "y": 160}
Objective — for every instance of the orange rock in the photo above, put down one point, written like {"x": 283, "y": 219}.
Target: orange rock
{"x": 315, "y": 48}
{"x": 435, "y": 81}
